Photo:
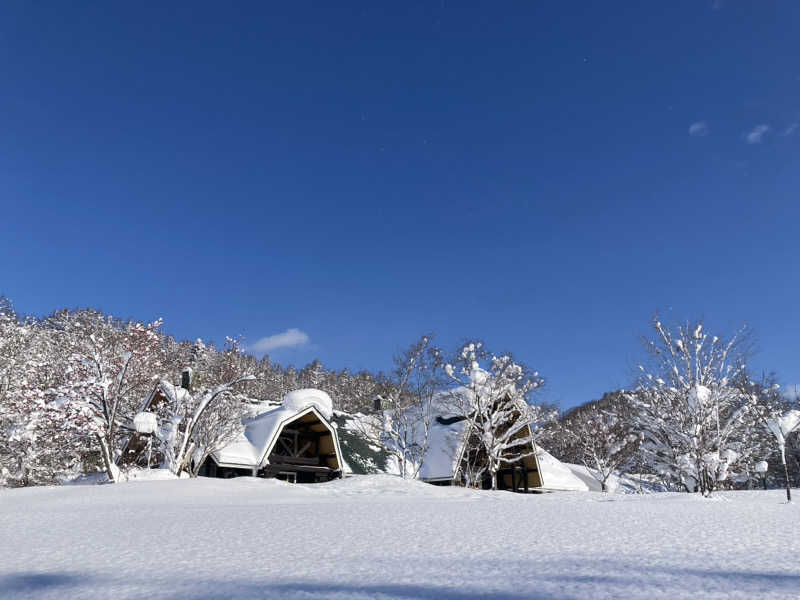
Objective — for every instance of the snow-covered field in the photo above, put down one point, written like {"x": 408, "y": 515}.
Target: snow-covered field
{"x": 380, "y": 537}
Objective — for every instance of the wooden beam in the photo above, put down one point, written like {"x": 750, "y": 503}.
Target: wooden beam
{"x": 277, "y": 459}
{"x": 282, "y": 468}
{"x": 306, "y": 433}
{"x": 286, "y": 445}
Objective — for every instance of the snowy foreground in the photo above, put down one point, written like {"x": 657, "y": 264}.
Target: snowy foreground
{"x": 380, "y": 537}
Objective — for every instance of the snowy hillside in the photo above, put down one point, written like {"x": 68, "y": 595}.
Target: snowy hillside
{"x": 381, "y": 537}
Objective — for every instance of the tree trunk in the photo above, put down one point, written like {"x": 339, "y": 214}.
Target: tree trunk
{"x": 111, "y": 468}
{"x": 195, "y": 470}
{"x": 186, "y": 459}
{"x": 786, "y": 474}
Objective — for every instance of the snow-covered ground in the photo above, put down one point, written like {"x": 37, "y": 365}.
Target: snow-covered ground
{"x": 380, "y": 537}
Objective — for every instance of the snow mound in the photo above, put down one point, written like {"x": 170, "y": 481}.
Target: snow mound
{"x": 300, "y": 399}
{"x": 556, "y": 475}
{"x": 150, "y": 475}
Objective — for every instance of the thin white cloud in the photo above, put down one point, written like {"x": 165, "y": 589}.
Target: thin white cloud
{"x": 699, "y": 129}
{"x": 791, "y": 129}
{"x": 291, "y": 338}
{"x": 756, "y": 136}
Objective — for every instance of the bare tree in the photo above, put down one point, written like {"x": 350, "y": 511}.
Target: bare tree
{"x": 404, "y": 401}
{"x": 601, "y": 435}
{"x": 407, "y": 405}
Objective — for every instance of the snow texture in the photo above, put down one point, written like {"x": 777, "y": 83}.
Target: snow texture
{"x": 382, "y": 537}
{"x": 145, "y": 422}
{"x": 556, "y": 475}
{"x": 444, "y": 450}
{"x": 300, "y": 399}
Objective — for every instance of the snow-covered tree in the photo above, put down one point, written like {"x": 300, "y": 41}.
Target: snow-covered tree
{"x": 313, "y": 375}
{"x": 184, "y": 442}
{"x": 693, "y": 406}
{"x": 601, "y": 436}
{"x": 219, "y": 425}
{"x": 37, "y": 448}
{"x": 491, "y": 394}
{"x": 406, "y": 405}
{"x": 18, "y": 420}
{"x": 111, "y": 366}
{"x": 781, "y": 419}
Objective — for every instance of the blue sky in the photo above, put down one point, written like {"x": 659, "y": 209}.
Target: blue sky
{"x": 540, "y": 176}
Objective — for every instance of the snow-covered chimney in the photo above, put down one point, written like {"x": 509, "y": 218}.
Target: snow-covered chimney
{"x": 186, "y": 378}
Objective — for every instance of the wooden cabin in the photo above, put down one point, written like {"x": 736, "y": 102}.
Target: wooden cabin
{"x": 293, "y": 440}
{"x": 290, "y": 442}
{"x": 162, "y": 401}
{"x": 447, "y": 458}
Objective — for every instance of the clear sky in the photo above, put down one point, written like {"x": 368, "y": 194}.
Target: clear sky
{"x": 540, "y": 175}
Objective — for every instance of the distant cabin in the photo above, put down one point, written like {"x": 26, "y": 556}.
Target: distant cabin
{"x": 446, "y": 457}
{"x": 142, "y": 448}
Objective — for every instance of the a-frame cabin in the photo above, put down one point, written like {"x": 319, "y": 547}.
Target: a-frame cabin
{"x": 451, "y": 453}
{"x": 293, "y": 441}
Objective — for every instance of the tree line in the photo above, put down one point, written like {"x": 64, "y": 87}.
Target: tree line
{"x": 695, "y": 418}
{"x": 71, "y": 384}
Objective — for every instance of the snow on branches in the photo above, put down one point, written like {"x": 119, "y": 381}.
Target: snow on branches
{"x": 780, "y": 418}
{"x": 492, "y": 395}
{"x": 693, "y": 406}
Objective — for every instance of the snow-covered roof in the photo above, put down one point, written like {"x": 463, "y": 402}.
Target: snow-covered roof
{"x": 300, "y": 399}
{"x": 445, "y": 444}
{"x": 175, "y": 394}
{"x": 250, "y": 449}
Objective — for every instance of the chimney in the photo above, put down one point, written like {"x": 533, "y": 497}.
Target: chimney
{"x": 377, "y": 403}
{"x": 186, "y": 378}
